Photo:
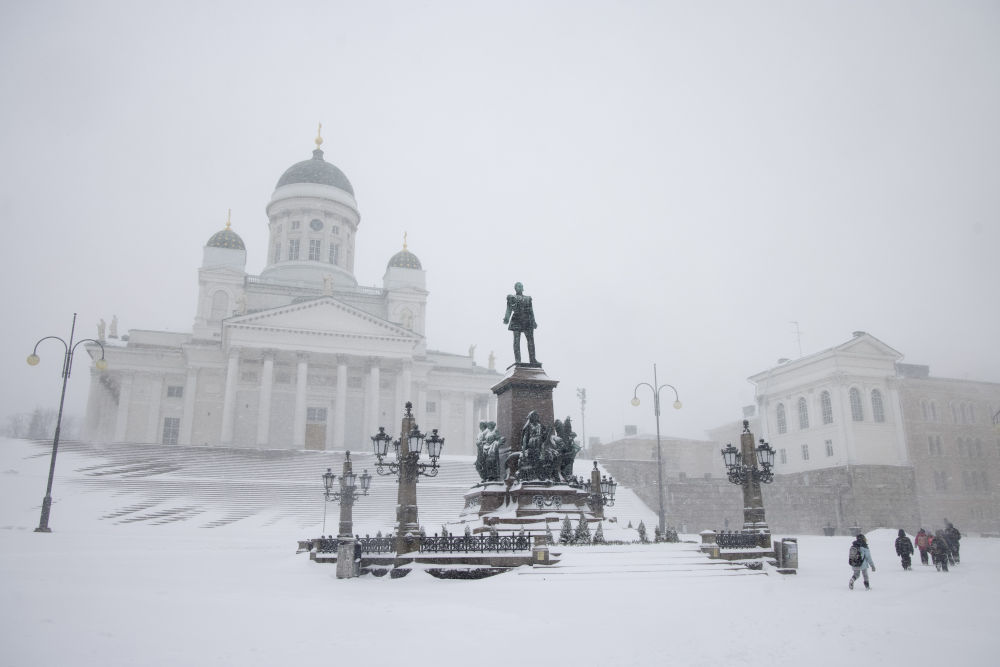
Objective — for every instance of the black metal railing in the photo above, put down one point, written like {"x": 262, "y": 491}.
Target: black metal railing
{"x": 480, "y": 543}
{"x": 734, "y": 540}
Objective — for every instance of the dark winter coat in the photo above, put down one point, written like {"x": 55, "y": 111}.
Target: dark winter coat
{"x": 940, "y": 548}
{"x": 903, "y": 546}
{"x": 952, "y": 534}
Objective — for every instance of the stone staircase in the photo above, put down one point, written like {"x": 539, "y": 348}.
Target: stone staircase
{"x": 215, "y": 487}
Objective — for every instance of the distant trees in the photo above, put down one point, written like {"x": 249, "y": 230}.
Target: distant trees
{"x": 39, "y": 424}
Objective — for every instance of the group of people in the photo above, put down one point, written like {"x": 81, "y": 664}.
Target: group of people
{"x": 942, "y": 546}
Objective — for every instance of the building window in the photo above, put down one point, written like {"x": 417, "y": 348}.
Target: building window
{"x": 783, "y": 455}
{"x": 857, "y": 410}
{"x": 175, "y": 391}
{"x": 316, "y": 415}
{"x": 803, "y": 414}
{"x": 171, "y": 429}
{"x": 334, "y": 253}
{"x": 314, "y": 248}
{"x": 940, "y": 480}
{"x": 295, "y": 224}
{"x": 805, "y": 452}
{"x": 933, "y": 411}
{"x": 923, "y": 407}
{"x": 276, "y": 255}
{"x": 780, "y": 414}
{"x": 972, "y": 413}
{"x": 335, "y": 230}
{"x": 431, "y": 407}
{"x": 954, "y": 413}
{"x": 878, "y": 408}
{"x": 827, "y": 406}
{"x": 829, "y": 447}
{"x": 293, "y": 249}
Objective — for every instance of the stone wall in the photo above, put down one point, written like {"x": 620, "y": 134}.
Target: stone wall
{"x": 802, "y": 503}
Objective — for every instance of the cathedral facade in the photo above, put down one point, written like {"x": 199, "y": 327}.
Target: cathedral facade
{"x": 301, "y": 356}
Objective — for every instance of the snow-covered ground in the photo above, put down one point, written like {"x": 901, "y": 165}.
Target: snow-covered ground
{"x": 95, "y": 592}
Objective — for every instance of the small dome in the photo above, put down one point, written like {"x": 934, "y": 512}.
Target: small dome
{"x": 316, "y": 170}
{"x": 404, "y": 259}
{"x": 227, "y": 238}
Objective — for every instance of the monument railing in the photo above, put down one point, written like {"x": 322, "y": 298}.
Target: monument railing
{"x": 739, "y": 540}
{"x": 480, "y": 543}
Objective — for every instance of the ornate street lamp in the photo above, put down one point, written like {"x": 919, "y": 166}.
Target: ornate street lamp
{"x": 600, "y": 491}
{"x": 33, "y": 359}
{"x": 408, "y": 467}
{"x": 346, "y": 495}
{"x": 655, "y": 388}
{"x": 750, "y": 467}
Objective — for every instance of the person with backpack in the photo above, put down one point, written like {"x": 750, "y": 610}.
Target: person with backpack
{"x": 904, "y": 549}
{"x": 859, "y": 557}
{"x": 953, "y": 536}
{"x": 923, "y": 542}
{"x": 940, "y": 550}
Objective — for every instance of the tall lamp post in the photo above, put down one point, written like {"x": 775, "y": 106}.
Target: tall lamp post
{"x": 655, "y": 388}
{"x": 408, "y": 467}
{"x": 600, "y": 491}
{"x": 347, "y": 494}
{"x": 750, "y": 467}
{"x": 582, "y": 395}
{"x": 33, "y": 359}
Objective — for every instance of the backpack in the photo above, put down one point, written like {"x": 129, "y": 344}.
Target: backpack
{"x": 854, "y": 557}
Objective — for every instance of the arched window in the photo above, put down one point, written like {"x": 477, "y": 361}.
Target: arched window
{"x": 923, "y": 406}
{"x": 220, "y": 305}
{"x": 827, "y": 407}
{"x": 857, "y": 410}
{"x": 780, "y": 414}
{"x": 878, "y": 408}
{"x": 933, "y": 411}
{"x": 803, "y": 414}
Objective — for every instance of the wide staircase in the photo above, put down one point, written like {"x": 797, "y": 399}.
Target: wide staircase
{"x": 215, "y": 487}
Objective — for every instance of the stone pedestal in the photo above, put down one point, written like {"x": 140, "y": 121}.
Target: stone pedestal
{"x": 524, "y": 388}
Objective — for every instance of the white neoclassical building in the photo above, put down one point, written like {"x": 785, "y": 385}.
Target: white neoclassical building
{"x": 300, "y": 356}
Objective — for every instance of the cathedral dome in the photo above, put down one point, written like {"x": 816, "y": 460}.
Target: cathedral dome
{"x": 404, "y": 259}
{"x": 227, "y": 238}
{"x": 316, "y": 170}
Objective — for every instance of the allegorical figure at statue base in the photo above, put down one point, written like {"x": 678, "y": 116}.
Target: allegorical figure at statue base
{"x": 520, "y": 318}
{"x": 488, "y": 452}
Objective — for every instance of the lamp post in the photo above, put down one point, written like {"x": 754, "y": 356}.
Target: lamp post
{"x": 600, "y": 491}
{"x": 408, "y": 468}
{"x": 655, "y": 388}
{"x": 347, "y": 494}
{"x": 33, "y": 359}
{"x": 751, "y": 467}
{"x": 582, "y": 395}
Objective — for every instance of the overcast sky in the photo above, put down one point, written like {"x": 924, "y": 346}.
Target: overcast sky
{"x": 674, "y": 183}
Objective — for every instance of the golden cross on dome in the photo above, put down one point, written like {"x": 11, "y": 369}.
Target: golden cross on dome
{"x": 404, "y": 240}
{"x": 319, "y": 135}
{"x": 229, "y": 215}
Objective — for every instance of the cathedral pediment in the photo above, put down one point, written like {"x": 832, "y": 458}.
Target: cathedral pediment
{"x": 321, "y": 317}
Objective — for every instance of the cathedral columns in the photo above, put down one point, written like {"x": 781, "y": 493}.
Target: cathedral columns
{"x": 187, "y": 417}
{"x": 124, "y": 399}
{"x": 301, "y": 384}
{"x": 372, "y": 391}
{"x": 340, "y": 405}
{"x": 153, "y": 415}
{"x": 421, "y": 404}
{"x": 91, "y": 424}
{"x": 264, "y": 402}
{"x": 469, "y": 424}
{"x": 229, "y": 398}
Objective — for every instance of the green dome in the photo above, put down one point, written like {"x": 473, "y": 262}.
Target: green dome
{"x": 227, "y": 238}
{"x": 404, "y": 259}
{"x": 316, "y": 170}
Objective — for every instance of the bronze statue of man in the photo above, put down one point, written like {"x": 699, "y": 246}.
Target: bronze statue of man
{"x": 521, "y": 319}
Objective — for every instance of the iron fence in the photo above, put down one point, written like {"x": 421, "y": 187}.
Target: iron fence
{"x": 735, "y": 540}
{"x": 480, "y": 543}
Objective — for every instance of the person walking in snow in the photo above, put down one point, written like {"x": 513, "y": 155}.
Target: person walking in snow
{"x": 923, "y": 542}
{"x": 860, "y": 559}
{"x": 953, "y": 536}
{"x": 904, "y": 549}
{"x": 940, "y": 550}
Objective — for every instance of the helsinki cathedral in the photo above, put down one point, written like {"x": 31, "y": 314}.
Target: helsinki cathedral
{"x": 299, "y": 357}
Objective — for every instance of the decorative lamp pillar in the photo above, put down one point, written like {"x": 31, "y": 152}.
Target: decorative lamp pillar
{"x": 600, "y": 492}
{"x": 408, "y": 467}
{"x": 750, "y": 467}
{"x": 346, "y": 494}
